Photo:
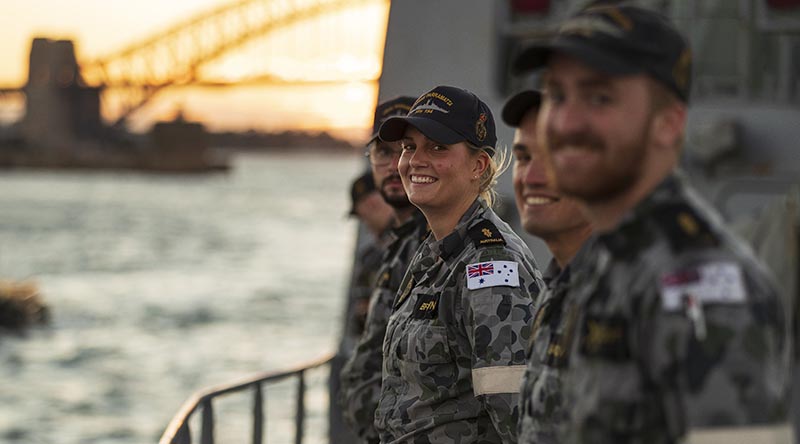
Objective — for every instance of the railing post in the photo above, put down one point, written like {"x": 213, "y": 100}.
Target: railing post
{"x": 301, "y": 408}
{"x": 258, "y": 415}
{"x": 207, "y": 431}
{"x": 178, "y": 431}
{"x": 184, "y": 435}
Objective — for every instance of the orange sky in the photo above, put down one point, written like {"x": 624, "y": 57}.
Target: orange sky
{"x": 101, "y": 27}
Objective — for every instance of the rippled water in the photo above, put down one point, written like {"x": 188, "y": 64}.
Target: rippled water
{"x": 161, "y": 285}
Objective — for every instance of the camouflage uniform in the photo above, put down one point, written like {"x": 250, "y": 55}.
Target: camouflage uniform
{"x": 453, "y": 358}
{"x": 361, "y": 376}
{"x": 554, "y": 306}
{"x": 671, "y": 327}
{"x": 365, "y": 273}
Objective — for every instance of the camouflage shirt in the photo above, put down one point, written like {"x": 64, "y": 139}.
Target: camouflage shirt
{"x": 558, "y": 315}
{"x": 361, "y": 375}
{"x": 454, "y": 350}
{"x": 365, "y": 271}
{"x": 676, "y": 329}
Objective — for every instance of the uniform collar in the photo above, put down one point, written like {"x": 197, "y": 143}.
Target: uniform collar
{"x": 630, "y": 231}
{"x": 551, "y": 272}
{"x": 417, "y": 219}
{"x": 455, "y": 242}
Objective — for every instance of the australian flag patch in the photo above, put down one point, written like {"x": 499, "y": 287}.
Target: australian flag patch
{"x": 492, "y": 274}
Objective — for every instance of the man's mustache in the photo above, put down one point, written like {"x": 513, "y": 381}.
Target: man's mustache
{"x": 390, "y": 178}
{"x": 583, "y": 139}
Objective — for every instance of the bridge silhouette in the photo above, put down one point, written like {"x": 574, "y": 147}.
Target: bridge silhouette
{"x": 175, "y": 56}
{"x": 67, "y": 101}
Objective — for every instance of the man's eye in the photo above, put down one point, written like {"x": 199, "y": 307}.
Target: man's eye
{"x": 409, "y": 147}
{"x": 439, "y": 148}
{"x": 553, "y": 96}
{"x": 599, "y": 99}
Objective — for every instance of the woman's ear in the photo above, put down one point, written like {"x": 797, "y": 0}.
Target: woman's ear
{"x": 480, "y": 163}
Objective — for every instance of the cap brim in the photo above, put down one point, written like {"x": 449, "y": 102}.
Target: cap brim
{"x": 372, "y": 138}
{"x": 606, "y": 60}
{"x": 393, "y": 129}
{"x": 518, "y": 105}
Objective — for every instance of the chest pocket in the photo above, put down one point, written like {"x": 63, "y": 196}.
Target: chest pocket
{"x": 426, "y": 343}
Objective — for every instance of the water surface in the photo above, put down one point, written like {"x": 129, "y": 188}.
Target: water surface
{"x": 161, "y": 285}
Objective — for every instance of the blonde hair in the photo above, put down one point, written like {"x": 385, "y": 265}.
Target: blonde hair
{"x": 498, "y": 164}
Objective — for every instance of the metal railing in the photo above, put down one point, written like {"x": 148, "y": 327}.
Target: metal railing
{"x": 178, "y": 432}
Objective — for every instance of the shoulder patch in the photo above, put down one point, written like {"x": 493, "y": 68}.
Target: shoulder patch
{"x": 711, "y": 283}
{"x": 485, "y": 234}
{"x": 492, "y": 274}
{"x": 684, "y": 227}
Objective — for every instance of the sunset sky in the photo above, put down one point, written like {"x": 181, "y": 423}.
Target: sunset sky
{"x": 346, "y": 45}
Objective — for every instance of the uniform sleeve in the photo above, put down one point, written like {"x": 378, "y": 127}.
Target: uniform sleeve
{"x": 498, "y": 325}
{"x": 361, "y": 375}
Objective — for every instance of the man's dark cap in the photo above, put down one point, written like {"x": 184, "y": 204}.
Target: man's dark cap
{"x": 619, "y": 40}
{"x": 361, "y": 187}
{"x": 398, "y": 106}
{"x": 447, "y": 115}
{"x": 519, "y": 104}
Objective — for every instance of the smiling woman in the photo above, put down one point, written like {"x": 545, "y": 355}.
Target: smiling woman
{"x": 455, "y": 344}
{"x": 338, "y": 51}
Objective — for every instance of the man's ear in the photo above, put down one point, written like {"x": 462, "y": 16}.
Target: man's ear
{"x": 669, "y": 125}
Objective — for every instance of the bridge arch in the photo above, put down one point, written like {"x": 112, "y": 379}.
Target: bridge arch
{"x": 174, "y": 56}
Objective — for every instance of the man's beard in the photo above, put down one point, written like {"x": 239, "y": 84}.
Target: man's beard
{"x": 398, "y": 202}
{"x": 612, "y": 177}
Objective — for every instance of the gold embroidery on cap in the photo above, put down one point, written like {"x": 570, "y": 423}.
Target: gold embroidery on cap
{"x": 587, "y": 26}
{"x": 397, "y": 108}
{"x": 480, "y": 127}
{"x": 621, "y": 19}
{"x": 682, "y": 69}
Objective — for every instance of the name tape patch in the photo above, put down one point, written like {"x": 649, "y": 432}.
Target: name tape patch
{"x": 426, "y": 307}
{"x": 715, "y": 283}
{"x": 492, "y": 274}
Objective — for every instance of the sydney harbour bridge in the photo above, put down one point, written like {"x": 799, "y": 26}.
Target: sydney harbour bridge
{"x": 67, "y": 98}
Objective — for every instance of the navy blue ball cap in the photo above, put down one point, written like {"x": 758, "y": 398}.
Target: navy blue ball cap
{"x": 399, "y": 106}
{"x": 360, "y": 188}
{"x": 447, "y": 115}
{"x": 519, "y": 104}
{"x": 618, "y": 40}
